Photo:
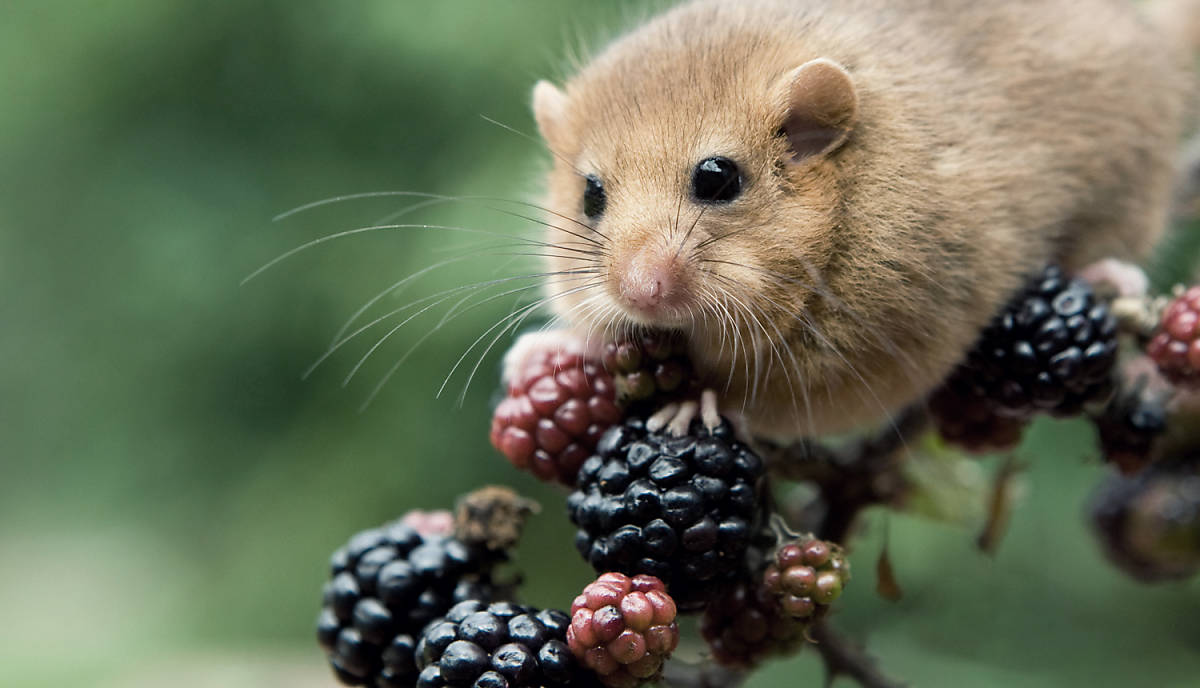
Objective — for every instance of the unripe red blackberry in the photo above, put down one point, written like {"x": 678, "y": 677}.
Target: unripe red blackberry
{"x": 971, "y": 421}
{"x": 387, "y": 583}
{"x": 623, "y": 629}
{"x": 649, "y": 367}
{"x": 745, "y": 624}
{"x": 1149, "y": 523}
{"x": 1176, "y": 345}
{"x": 557, "y": 408}
{"x": 1052, "y": 349}
{"x": 679, "y": 508}
{"x": 807, "y": 575}
{"x": 502, "y": 645}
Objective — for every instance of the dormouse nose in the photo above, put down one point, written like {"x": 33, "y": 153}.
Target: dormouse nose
{"x": 648, "y": 281}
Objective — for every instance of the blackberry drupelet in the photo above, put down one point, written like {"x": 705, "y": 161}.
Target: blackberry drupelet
{"x": 965, "y": 418}
{"x": 745, "y": 625}
{"x": 679, "y": 508}
{"x": 1149, "y": 523}
{"x": 387, "y": 583}
{"x": 1051, "y": 349}
{"x": 1176, "y": 345}
{"x": 502, "y": 645}
{"x": 557, "y": 408}
{"x": 1129, "y": 427}
{"x": 649, "y": 367}
{"x": 808, "y": 576}
{"x": 623, "y": 629}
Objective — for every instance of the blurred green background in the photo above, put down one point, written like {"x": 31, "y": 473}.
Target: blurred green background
{"x": 171, "y": 487}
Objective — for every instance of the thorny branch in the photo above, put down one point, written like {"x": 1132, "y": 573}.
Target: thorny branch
{"x": 849, "y": 478}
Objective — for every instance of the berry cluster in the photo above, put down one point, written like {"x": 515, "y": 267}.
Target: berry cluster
{"x": 1176, "y": 346}
{"x": 807, "y": 576}
{"x": 623, "y": 628}
{"x": 387, "y": 584}
{"x": 745, "y": 624}
{"x": 1051, "y": 349}
{"x": 1149, "y": 523}
{"x": 557, "y": 408}
{"x": 679, "y": 508}
{"x": 670, "y": 507}
{"x": 501, "y": 645}
{"x": 649, "y": 366}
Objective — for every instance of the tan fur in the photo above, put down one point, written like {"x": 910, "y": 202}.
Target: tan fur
{"x": 987, "y": 139}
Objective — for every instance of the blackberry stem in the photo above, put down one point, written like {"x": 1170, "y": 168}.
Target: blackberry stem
{"x": 852, "y": 477}
{"x": 844, "y": 658}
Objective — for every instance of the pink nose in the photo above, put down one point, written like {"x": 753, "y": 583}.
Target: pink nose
{"x": 647, "y": 283}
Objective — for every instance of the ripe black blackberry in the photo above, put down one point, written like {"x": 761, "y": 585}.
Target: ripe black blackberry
{"x": 1051, "y": 349}
{"x": 1129, "y": 427}
{"x": 387, "y": 584}
{"x": 681, "y": 509}
{"x": 502, "y": 645}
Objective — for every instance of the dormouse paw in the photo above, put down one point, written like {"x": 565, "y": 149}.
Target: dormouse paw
{"x": 533, "y": 345}
{"x": 677, "y": 418}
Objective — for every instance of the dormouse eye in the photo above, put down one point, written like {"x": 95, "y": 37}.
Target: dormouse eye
{"x": 716, "y": 180}
{"x": 594, "y": 198}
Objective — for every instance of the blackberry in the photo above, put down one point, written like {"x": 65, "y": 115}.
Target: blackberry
{"x": 387, "y": 583}
{"x": 650, "y": 367}
{"x": 1051, "y": 349}
{"x": 557, "y": 408}
{"x": 623, "y": 629}
{"x": 679, "y": 508}
{"x": 1129, "y": 427}
{"x": 1149, "y": 523}
{"x": 1176, "y": 345}
{"x": 808, "y": 576}
{"x": 502, "y": 645}
{"x": 967, "y": 419}
{"x": 745, "y": 624}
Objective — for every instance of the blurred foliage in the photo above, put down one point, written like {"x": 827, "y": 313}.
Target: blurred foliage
{"x": 172, "y": 487}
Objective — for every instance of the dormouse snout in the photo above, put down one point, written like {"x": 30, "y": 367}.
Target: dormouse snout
{"x": 650, "y": 283}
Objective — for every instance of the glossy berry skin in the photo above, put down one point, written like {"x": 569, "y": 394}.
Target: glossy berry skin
{"x": 969, "y": 420}
{"x": 502, "y": 645}
{"x": 745, "y": 625}
{"x": 623, "y": 629}
{"x": 807, "y": 576}
{"x": 649, "y": 368}
{"x": 681, "y": 509}
{"x": 1052, "y": 349}
{"x": 557, "y": 408}
{"x": 387, "y": 584}
{"x": 1176, "y": 345}
{"x": 1149, "y": 523}
{"x": 1128, "y": 429}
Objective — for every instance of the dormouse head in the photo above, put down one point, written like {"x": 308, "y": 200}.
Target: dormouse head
{"x": 695, "y": 187}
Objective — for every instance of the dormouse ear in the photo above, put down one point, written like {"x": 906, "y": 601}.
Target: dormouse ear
{"x": 549, "y": 109}
{"x": 822, "y": 108}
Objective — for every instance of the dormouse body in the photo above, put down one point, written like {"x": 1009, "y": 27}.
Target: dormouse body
{"x": 833, "y": 197}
